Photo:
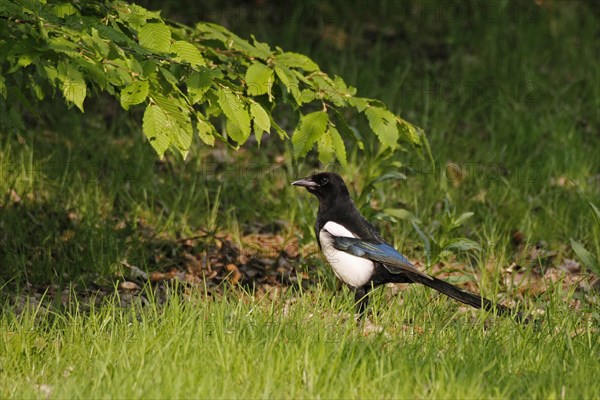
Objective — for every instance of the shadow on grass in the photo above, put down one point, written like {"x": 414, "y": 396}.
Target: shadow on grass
{"x": 85, "y": 206}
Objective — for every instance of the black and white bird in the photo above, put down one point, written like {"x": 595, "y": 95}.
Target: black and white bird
{"x": 358, "y": 254}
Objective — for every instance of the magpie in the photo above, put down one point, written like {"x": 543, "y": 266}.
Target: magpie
{"x": 358, "y": 254}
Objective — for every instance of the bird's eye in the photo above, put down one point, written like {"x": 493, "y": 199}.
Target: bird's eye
{"x": 323, "y": 181}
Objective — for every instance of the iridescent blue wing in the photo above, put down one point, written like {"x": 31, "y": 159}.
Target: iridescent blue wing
{"x": 391, "y": 259}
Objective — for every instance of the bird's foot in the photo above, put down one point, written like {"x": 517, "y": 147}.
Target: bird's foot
{"x": 368, "y": 327}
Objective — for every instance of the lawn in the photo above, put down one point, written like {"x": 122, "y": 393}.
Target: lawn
{"x": 125, "y": 276}
{"x": 296, "y": 345}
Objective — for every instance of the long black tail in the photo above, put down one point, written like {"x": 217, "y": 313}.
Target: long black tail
{"x": 400, "y": 268}
{"x": 464, "y": 297}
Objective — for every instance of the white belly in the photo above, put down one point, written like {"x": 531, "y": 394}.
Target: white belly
{"x": 352, "y": 270}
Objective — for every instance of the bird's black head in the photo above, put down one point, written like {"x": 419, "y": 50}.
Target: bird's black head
{"x": 325, "y": 185}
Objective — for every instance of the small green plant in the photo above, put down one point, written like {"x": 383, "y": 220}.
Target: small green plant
{"x": 590, "y": 261}
{"x": 185, "y": 78}
{"x": 439, "y": 239}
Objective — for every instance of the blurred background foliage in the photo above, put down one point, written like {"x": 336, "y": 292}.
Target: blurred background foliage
{"x": 506, "y": 91}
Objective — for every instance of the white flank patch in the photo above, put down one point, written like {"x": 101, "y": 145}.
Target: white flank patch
{"x": 352, "y": 270}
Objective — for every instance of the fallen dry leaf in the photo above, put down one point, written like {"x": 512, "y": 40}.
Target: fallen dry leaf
{"x": 563, "y": 181}
{"x": 517, "y": 237}
{"x": 120, "y": 225}
{"x": 127, "y": 285}
{"x": 67, "y": 235}
{"x": 570, "y": 266}
{"x": 480, "y": 196}
{"x": 135, "y": 272}
{"x": 45, "y": 389}
{"x": 156, "y": 276}
{"x": 235, "y": 274}
{"x": 73, "y": 217}
{"x": 14, "y": 197}
{"x": 455, "y": 174}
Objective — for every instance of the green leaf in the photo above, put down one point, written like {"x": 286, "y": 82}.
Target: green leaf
{"x": 346, "y": 130}
{"x": 169, "y": 77}
{"x": 64, "y": 9}
{"x": 149, "y": 70}
{"x": 155, "y": 36}
{"x": 262, "y": 47}
{"x": 462, "y": 219}
{"x": 231, "y": 40}
{"x": 422, "y": 146}
{"x": 260, "y": 119}
{"x": 289, "y": 81}
{"x": 596, "y": 213}
{"x": 326, "y": 149}
{"x": 330, "y": 146}
{"x": 295, "y": 60}
{"x": 187, "y": 52}
{"x": 135, "y": 15}
{"x": 14, "y": 120}
{"x": 328, "y": 89}
{"x": 307, "y": 95}
{"x": 312, "y": 126}
{"x": 338, "y": 145}
{"x": 384, "y": 124}
{"x": 174, "y": 106}
{"x": 347, "y": 91}
{"x": 462, "y": 244}
{"x": 157, "y": 126}
{"x": 135, "y": 67}
{"x": 135, "y": 93}
{"x": 410, "y": 134}
{"x": 183, "y": 140}
{"x": 234, "y": 132}
{"x": 73, "y": 85}
{"x": 208, "y": 31}
{"x": 3, "y": 91}
{"x": 101, "y": 45}
{"x": 177, "y": 112}
{"x": 94, "y": 74}
{"x": 390, "y": 176}
{"x": 402, "y": 214}
{"x": 212, "y": 107}
{"x": 586, "y": 257}
{"x": 51, "y": 73}
{"x": 428, "y": 242}
{"x": 259, "y": 79}
{"x": 197, "y": 84}
{"x": 283, "y": 135}
{"x": 62, "y": 45}
{"x": 117, "y": 76}
{"x": 360, "y": 103}
{"x": 206, "y": 132}
{"x": 235, "y": 111}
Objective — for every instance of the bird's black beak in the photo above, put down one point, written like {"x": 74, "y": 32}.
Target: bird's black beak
{"x": 307, "y": 183}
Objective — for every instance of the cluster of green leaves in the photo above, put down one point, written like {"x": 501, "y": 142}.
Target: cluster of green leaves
{"x": 440, "y": 238}
{"x": 186, "y": 78}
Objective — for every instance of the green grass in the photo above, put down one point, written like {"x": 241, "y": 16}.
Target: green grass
{"x": 245, "y": 347}
{"x": 511, "y": 98}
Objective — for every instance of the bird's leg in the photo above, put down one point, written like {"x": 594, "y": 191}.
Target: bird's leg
{"x": 361, "y": 298}
{"x": 362, "y": 318}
